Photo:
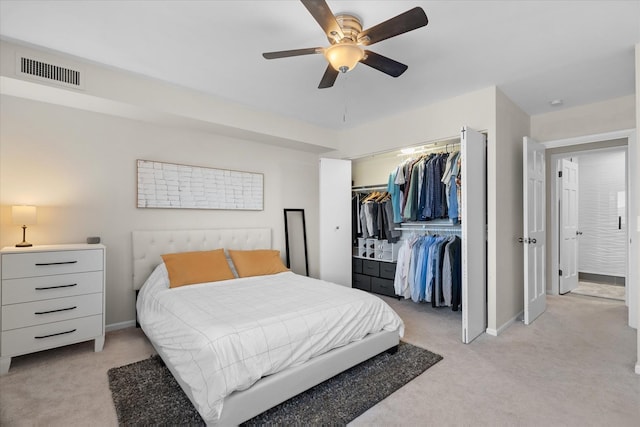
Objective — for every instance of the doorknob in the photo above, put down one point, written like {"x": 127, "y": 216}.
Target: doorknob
{"x": 578, "y": 233}
{"x": 532, "y": 241}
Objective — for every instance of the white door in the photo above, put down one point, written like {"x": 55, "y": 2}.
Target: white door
{"x": 535, "y": 302}
{"x": 474, "y": 256}
{"x": 569, "y": 232}
{"x": 335, "y": 221}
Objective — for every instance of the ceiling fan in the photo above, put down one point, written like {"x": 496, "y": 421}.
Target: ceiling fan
{"x": 344, "y": 32}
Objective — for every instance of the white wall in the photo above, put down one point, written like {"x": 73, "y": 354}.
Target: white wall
{"x": 634, "y": 175}
{"x": 602, "y": 248}
{"x": 512, "y": 125}
{"x": 79, "y": 169}
{"x": 591, "y": 119}
{"x": 125, "y": 94}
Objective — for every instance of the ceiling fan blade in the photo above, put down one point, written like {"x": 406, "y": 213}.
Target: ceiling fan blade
{"x": 329, "y": 78}
{"x": 294, "y": 52}
{"x": 384, "y": 64}
{"x": 403, "y": 23}
{"x": 323, "y": 15}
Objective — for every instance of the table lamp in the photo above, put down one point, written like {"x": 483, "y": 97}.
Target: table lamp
{"x": 23, "y": 215}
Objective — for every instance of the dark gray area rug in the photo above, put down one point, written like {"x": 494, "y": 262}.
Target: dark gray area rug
{"x": 145, "y": 392}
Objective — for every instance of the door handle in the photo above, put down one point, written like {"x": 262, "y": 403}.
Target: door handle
{"x": 526, "y": 240}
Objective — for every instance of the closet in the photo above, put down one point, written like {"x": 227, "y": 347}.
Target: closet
{"x": 374, "y": 258}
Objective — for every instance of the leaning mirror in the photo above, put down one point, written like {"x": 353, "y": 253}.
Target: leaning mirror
{"x": 296, "y": 241}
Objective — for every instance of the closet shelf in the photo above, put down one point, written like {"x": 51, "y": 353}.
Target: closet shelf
{"x": 444, "y": 225}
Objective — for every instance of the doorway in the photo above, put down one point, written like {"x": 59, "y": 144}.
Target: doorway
{"x": 591, "y": 191}
{"x": 602, "y": 247}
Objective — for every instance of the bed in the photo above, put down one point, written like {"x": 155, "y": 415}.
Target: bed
{"x": 234, "y": 360}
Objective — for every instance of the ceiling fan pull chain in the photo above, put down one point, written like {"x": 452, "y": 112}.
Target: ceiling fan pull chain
{"x": 346, "y": 98}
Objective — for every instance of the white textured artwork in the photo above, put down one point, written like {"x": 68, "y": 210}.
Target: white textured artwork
{"x": 169, "y": 185}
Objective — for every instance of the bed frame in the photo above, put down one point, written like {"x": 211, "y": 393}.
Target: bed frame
{"x": 148, "y": 246}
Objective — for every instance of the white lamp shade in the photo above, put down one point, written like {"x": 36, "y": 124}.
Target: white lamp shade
{"x": 343, "y": 56}
{"x": 23, "y": 215}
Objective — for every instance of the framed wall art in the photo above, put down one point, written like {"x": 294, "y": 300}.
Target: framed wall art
{"x": 170, "y": 185}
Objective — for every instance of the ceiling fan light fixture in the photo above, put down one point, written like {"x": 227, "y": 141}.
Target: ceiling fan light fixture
{"x": 344, "y": 57}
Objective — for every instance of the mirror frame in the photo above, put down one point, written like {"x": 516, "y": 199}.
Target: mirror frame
{"x": 286, "y": 238}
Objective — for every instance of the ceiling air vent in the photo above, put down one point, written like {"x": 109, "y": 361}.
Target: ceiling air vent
{"x": 49, "y": 72}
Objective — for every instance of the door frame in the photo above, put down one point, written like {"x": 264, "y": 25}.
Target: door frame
{"x": 631, "y": 281}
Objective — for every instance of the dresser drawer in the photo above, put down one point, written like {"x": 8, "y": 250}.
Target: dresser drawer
{"x": 371, "y": 268}
{"x": 42, "y": 337}
{"x": 382, "y": 286}
{"x": 357, "y": 265}
{"x": 360, "y": 281}
{"x": 54, "y": 310}
{"x": 48, "y": 287}
{"x": 32, "y": 264}
{"x": 388, "y": 270}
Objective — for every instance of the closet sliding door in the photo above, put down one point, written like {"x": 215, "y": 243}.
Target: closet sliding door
{"x": 474, "y": 255}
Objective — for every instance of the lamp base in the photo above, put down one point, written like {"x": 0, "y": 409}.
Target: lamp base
{"x": 24, "y": 243}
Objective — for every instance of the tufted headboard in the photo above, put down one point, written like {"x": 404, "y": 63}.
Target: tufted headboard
{"x": 149, "y": 245}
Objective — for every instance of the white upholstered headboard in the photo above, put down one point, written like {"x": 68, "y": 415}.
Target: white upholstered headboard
{"x": 149, "y": 245}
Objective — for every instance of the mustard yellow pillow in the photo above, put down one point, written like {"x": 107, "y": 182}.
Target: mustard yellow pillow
{"x": 187, "y": 268}
{"x": 257, "y": 263}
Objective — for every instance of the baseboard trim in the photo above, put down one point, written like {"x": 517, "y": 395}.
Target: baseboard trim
{"x": 120, "y": 325}
{"x": 501, "y": 329}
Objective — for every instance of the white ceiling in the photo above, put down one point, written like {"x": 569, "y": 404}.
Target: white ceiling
{"x": 534, "y": 51}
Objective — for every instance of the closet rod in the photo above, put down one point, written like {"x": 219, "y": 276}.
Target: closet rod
{"x": 457, "y": 230}
{"x": 441, "y": 225}
{"x": 367, "y": 188}
{"x": 430, "y": 149}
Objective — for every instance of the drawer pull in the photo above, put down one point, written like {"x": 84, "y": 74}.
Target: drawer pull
{"x": 39, "y": 264}
{"x": 54, "y": 335}
{"x": 56, "y": 287}
{"x": 55, "y": 311}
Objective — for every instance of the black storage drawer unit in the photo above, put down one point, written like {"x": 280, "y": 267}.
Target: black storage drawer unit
{"x": 371, "y": 268}
{"x": 360, "y": 281}
{"x": 388, "y": 270}
{"x": 374, "y": 276}
{"x": 382, "y": 286}
{"x": 357, "y": 265}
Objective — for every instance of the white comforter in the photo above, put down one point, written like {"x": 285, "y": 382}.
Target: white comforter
{"x": 224, "y": 336}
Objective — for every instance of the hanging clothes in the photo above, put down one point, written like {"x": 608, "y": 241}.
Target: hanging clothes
{"x": 419, "y": 189}
{"x": 452, "y": 273}
{"x": 451, "y": 190}
{"x": 429, "y": 269}
{"x": 373, "y": 217}
{"x": 401, "y": 280}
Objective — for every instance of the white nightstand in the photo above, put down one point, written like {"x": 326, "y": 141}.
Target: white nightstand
{"x": 50, "y": 296}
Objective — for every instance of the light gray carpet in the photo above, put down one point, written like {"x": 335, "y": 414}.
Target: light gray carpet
{"x": 145, "y": 392}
